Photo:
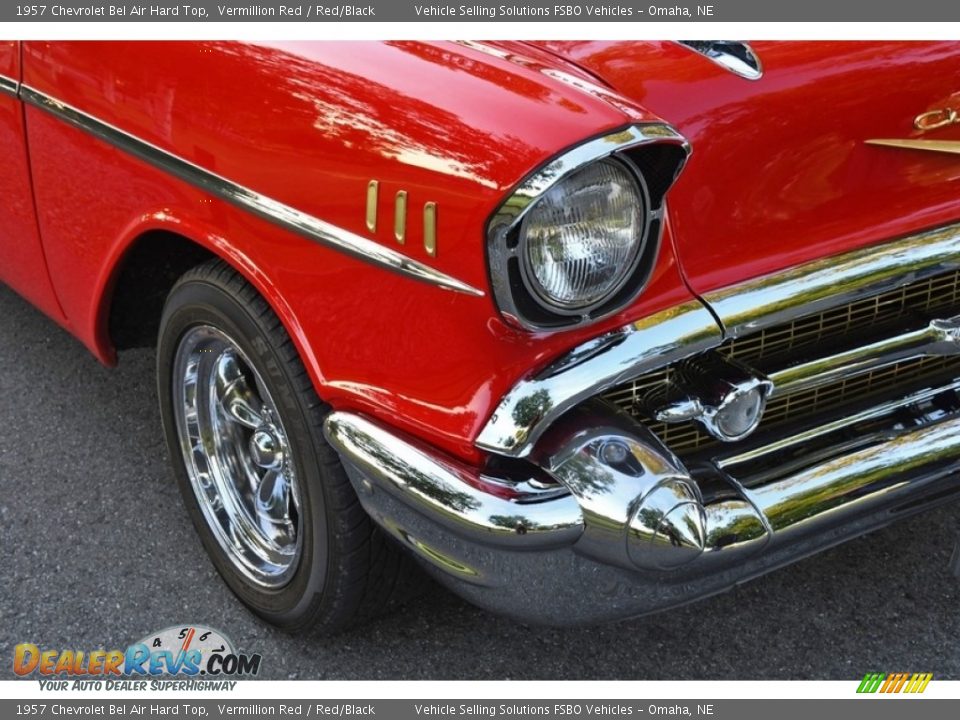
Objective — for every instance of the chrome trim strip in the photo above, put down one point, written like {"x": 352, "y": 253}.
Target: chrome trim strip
{"x": 873, "y": 413}
{"x": 513, "y": 209}
{"x": 940, "y": 338}
{"x": 9, "y": 86}
{"x": 736, "y": 57}
{"x": 950, "y": 147}
{"x": 639, "y": 509}
{"x": 271, "y": 210}
{"x": 813, "y": 497}
{"x": 833, "y": 281}
{"x": 536, "y": 402}
{"x": 516, "y": 205}
{"x": 448, "y": 492}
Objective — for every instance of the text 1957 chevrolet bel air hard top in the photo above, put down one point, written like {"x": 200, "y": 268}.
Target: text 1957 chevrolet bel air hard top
{"x": 588, "y": 329}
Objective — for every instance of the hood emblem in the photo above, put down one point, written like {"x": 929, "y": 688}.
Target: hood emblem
{"x": 924, "y": 122}
{"x": 935, "y": 119}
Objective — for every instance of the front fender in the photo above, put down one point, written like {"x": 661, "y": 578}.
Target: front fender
{"x": 309, "y": 126}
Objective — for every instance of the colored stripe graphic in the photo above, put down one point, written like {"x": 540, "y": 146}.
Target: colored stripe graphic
{"x": 894, "y": 682}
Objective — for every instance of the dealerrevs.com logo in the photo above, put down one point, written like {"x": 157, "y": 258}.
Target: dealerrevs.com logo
{"x": 185, "y": 653}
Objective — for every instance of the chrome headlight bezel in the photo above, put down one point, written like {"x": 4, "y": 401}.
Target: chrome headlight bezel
{"x": 528, "y": 272}
{"x": 655, "y": 150}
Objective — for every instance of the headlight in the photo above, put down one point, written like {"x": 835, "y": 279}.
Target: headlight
{"x": 582, "y": 239}
{"x": 577, "y": 240}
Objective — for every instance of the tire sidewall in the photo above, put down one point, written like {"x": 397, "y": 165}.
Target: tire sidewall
{"x": 194, "y": 303}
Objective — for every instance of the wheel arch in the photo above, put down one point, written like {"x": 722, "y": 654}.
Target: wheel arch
{"x": 138, "y": 275}
{"x": 139, "y": 283}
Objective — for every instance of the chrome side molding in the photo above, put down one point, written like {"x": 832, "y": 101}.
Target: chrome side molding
{"x": 273, "y": 211}
{"x": 9, "y": 86}
{"x": 736, "y": 57}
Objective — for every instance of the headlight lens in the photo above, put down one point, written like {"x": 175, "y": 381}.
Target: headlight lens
{"x": 581, "y": 240}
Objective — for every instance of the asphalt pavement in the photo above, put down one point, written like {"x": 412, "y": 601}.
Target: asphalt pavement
{"x": 96, "y": 550}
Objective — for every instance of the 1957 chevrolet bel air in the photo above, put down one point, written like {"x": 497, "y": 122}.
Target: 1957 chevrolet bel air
{"x": 587, "y": 329}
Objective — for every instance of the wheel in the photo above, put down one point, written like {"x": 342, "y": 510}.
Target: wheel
{"x": 266, "y": 493}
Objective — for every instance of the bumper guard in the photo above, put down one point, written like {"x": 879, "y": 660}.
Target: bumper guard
{"x": 626, "y": 529}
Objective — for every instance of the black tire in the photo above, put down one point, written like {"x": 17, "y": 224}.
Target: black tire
{"x": 347, "y": 570}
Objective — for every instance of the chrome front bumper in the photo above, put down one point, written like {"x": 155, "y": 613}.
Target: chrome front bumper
{"x": 585, "y": 515}
{"x": 629, "y": 531}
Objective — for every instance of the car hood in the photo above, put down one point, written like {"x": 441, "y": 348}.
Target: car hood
{"x": 781, "y": 172}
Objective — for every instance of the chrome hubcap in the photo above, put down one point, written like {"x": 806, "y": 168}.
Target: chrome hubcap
{"x": 266, "y": 449}
{"x": 237, "y": 456}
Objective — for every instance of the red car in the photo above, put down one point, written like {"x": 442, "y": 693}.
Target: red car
{"x": 588, "y": 329}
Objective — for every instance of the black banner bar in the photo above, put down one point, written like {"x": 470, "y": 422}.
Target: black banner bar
{"x": 879, "y": 709}
{"x": 480, "y": 11}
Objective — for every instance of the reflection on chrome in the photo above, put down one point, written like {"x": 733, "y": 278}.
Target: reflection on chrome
{"x": 833, "y": 281}
{"x": 938, "y": 339}
{"x": 535, "y": 403}
{"x": 875, "y": 412}
{"x": 859, "y": 478}
{"x": 505, "y": 251}
{"x": 8, "y": 85}
{"x": 737, "y": 57}
{"x": 626, "y": 510}
{"x": 734, "y": 525}
{"x": 640, "y": 508}
{"x": 726, "y": 398}
{"x": 453, "y": 493}
{"x": 631, "y": 503}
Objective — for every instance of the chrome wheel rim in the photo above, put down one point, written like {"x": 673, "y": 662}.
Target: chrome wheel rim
{"x": 238, "y": 456}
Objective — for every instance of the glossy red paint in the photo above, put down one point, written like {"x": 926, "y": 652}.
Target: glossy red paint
{"x": 780, "y": 173}
{"x": 22, "y": 264}
{"x": 310, "y": 124}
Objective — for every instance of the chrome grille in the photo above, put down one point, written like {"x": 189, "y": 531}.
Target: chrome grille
{"x": 918, "y": 299}
{"x": 789, "y": 406}
{"x": 937, "y": 296}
